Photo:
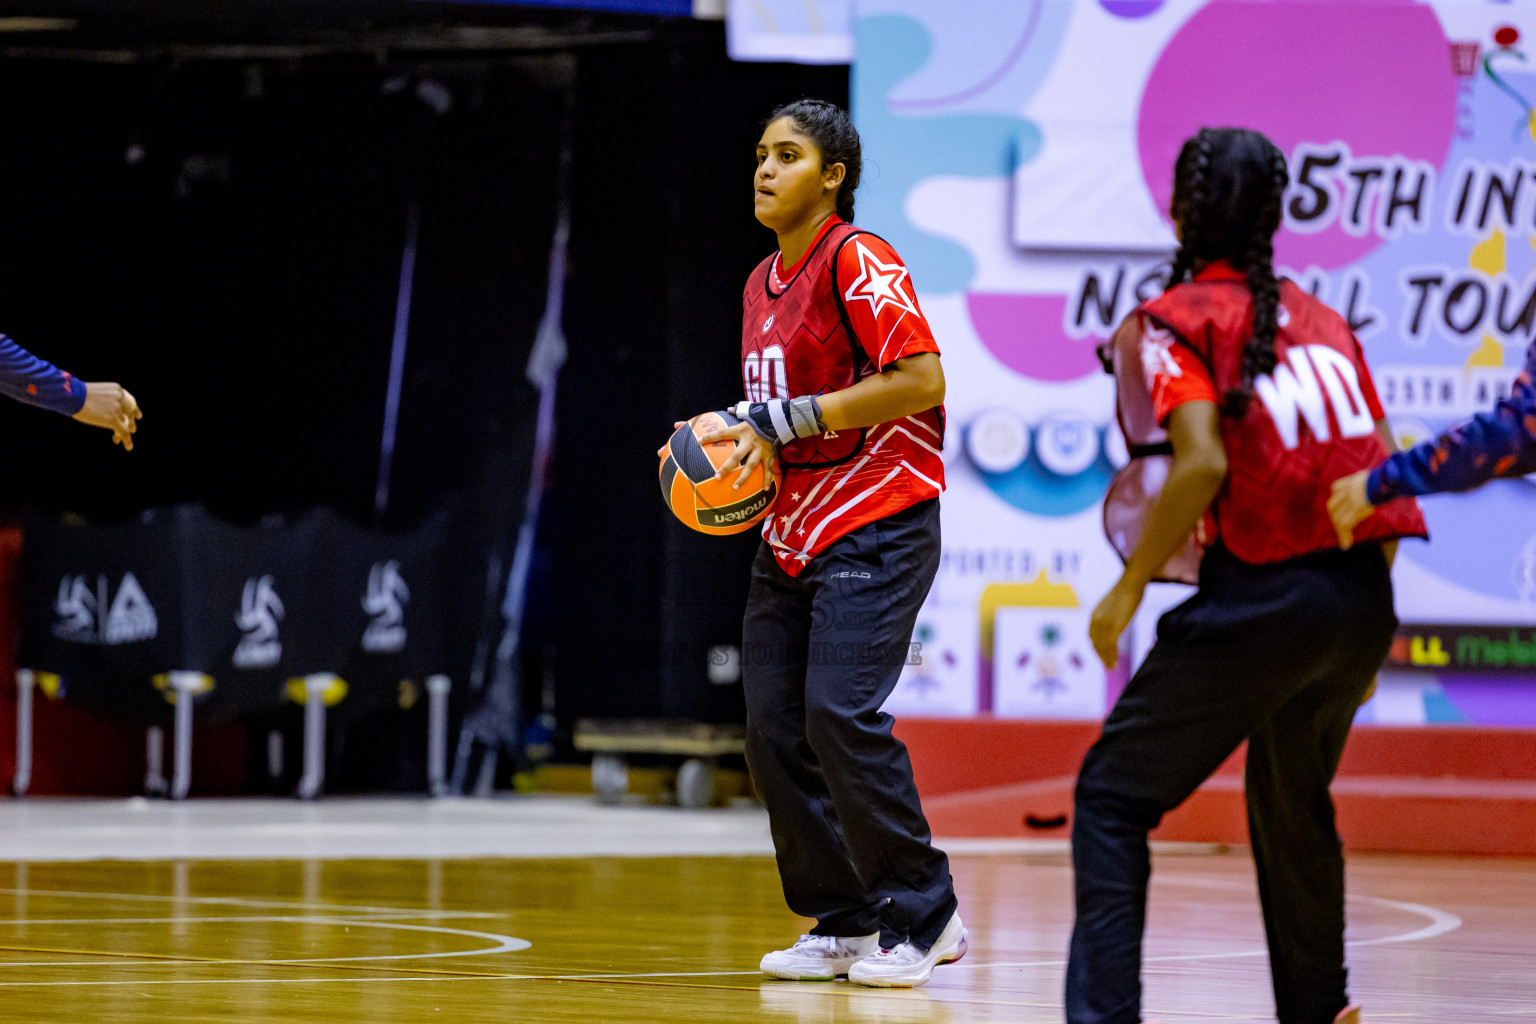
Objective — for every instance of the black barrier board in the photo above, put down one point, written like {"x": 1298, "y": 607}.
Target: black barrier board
{"x": 387, "y": 597}
{"x": 249, "y": 615}
{"x": 102, "y": 607}
{"x": 253, "y": 607}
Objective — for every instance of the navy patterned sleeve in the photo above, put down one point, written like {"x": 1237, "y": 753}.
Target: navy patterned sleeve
{"x": 1491, "y": 444}
{"x": 35, "y": 381}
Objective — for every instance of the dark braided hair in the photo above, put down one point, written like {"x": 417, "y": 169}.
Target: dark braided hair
{"x": 829, "y": 126}
{"x": 1227, "y": 187}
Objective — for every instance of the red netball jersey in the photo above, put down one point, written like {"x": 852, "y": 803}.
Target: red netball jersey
{"x": 846, "y": 311}
{"x": 1311, "y": 420}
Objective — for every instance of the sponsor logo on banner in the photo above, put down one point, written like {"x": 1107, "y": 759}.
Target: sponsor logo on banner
{"x": 129, "y": 617}
{"x": 260, "y": 612}
{"x": 941, "y": 678}
{"x": 1461, "y": 648}
{"x": 385, "y": 600}
{"x": 1045, "y": 666}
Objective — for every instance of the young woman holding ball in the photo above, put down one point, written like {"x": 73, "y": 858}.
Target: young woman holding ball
{"x": 844, "y": 388}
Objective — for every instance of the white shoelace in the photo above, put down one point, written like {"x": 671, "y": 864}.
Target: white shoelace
{"x": 830, "y": 945}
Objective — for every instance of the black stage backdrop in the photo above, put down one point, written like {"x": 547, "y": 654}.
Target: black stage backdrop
{"x": 665, "y": 238}
{"x": 224, "y": 237}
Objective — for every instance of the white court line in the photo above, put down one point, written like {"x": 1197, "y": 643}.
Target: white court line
{"x": 252, "y": 919}
{"x": 401, "y": 977}
{"x": 252, "y": 981}
{"x": 499, "y": 943}
{"x": 239, "y": 901}
{"x": 1441, "y": 922}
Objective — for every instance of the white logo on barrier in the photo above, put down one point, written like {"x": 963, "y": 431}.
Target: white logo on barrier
{"x": 76, "y": 608}
{"x": 385, "y": 600}
{"x": 130, "y": 617}
{"x": 260, "y": 612}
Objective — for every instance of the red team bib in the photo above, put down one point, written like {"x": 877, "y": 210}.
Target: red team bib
{"x": 846, "y": 311}
{"x": 1311, "y": 421}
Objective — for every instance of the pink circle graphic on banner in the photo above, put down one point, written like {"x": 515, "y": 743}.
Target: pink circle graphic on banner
{"x": 1024, "y": 332}
{"x": 1374, "y": 76}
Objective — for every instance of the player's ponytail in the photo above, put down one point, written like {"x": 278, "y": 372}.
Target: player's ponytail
{"x": 1228, "y": 186}
{"x": 829, "y": 126}
{"x": 1189, "y": 204}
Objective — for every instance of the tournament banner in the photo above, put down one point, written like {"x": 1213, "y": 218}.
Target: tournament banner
{"x": 1019, "y": 156}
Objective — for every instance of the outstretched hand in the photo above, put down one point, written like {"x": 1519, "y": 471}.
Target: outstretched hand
{"x": 751, "y": 451}
{"x": 110, "y": 405}
{"x": 1348, "y": 506}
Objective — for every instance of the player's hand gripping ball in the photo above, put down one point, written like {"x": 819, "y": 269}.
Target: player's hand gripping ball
{"x": 701, "y": 500}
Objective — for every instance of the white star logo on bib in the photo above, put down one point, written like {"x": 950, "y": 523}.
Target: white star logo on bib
{"x": 1157, "y": 353}
{"x": 879, "y": 284}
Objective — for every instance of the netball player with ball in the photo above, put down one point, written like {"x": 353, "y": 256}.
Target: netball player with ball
{"x": 844, "y": 388}
{"x": 1266, "y": 400}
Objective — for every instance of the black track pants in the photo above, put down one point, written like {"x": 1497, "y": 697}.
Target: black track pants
{"x": 1280, "y": 655}
{"x": 821, "y": 653}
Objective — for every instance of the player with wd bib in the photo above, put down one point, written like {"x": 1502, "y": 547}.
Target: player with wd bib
{"x": 1262, "y": 397}
{"x": 845, "y": 389}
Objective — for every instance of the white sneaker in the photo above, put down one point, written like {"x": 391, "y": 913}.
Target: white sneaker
{"x": 819, "y": 957}
{"x": 906, "y": 965}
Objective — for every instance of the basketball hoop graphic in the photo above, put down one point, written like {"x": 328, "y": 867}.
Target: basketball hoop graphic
{"x": 1464, "y": 58}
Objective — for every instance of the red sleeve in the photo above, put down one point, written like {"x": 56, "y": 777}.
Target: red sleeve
{"x": 1175, "y": 375}
{"x": 880, "y": 301}
{"x": 1368, "y": 386}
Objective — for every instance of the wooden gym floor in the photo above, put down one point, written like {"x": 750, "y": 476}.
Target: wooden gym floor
{"x": 663, "y": 939}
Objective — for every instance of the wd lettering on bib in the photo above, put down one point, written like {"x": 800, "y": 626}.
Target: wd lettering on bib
{"x": 1296, "y": 392}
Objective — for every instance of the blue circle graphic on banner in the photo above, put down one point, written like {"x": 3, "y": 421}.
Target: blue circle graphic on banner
{"x": 1059, "y": 467}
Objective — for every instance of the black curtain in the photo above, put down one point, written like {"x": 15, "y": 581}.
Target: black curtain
{"x": 663, "y": 242}
{"x": 225, "y": 239}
